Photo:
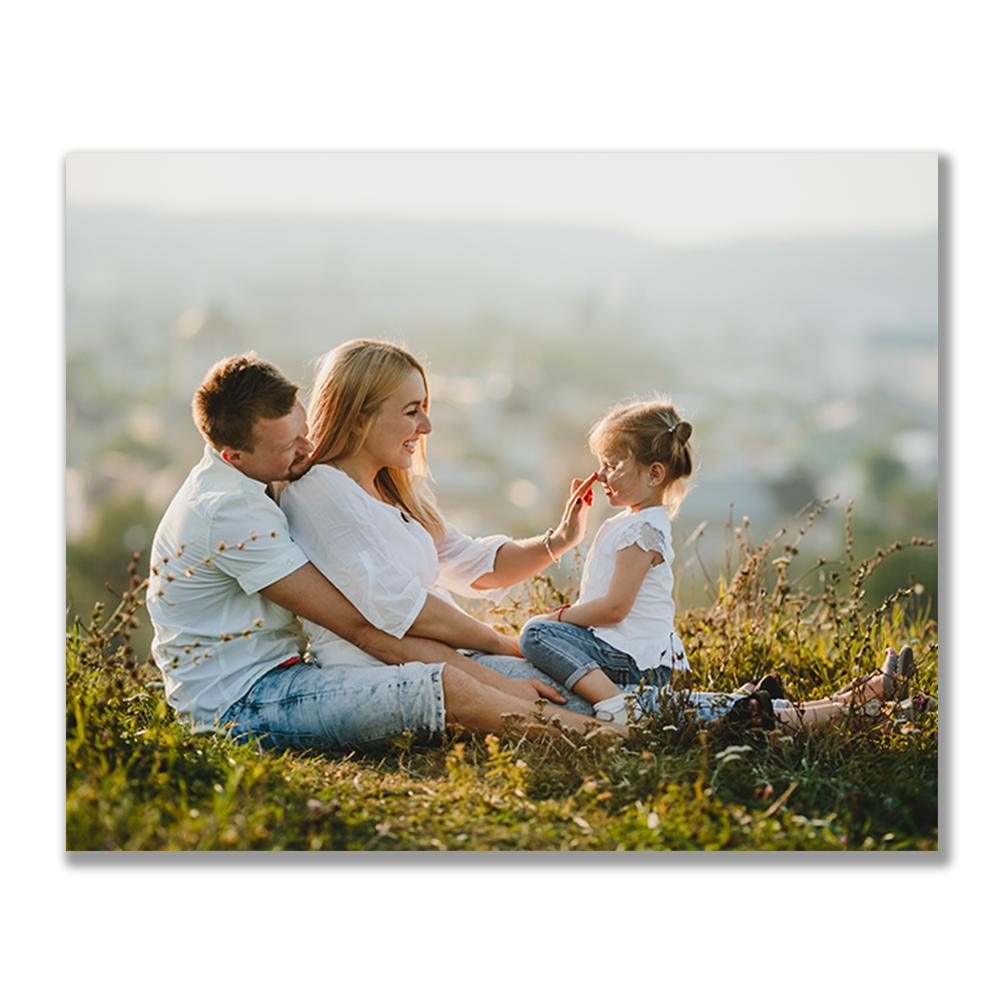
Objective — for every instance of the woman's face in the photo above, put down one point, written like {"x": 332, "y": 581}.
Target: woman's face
{"x": 395, "y": 432}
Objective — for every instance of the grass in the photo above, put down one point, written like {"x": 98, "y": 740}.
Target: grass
{"x": 139, "y": 780}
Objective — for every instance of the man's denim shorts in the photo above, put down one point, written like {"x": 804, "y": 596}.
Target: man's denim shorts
{"x": 308, "y": 707}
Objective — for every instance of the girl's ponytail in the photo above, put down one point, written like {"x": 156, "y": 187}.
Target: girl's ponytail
{"x": 681, "y": 461}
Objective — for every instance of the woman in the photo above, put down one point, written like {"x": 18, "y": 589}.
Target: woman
{"x": 366, "y": 518}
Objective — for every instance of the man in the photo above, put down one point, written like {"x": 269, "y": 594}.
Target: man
{"x": 227, "y": 583}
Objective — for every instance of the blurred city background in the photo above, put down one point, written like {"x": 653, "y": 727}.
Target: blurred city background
{"x": 801, "y": 340}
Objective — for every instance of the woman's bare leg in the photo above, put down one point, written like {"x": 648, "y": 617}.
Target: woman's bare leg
{"x": 480, "y": 708}
{"x": 825, "y": 712}
{"x": 810, "y": 715}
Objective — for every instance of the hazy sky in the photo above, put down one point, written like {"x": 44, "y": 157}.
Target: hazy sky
{"x": 669, "y": 197}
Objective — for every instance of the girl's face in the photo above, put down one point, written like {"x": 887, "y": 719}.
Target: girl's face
{"x": 395, "y": 432}
{"x": 626, "y": 482}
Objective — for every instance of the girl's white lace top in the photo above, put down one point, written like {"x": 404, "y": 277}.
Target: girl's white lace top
{"x": 645, "y": 634}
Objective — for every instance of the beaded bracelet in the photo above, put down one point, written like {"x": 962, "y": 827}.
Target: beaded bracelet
{"x": 548, "y": 548}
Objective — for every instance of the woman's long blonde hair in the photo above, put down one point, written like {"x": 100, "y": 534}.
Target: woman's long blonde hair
{"x": 351, "y": 384}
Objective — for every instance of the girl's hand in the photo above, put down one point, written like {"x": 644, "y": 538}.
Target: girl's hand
{"x": 549, "y": 617}
{"x": 573, "y": 525}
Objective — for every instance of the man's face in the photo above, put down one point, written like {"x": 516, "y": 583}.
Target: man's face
{"x": 281, "y": 451}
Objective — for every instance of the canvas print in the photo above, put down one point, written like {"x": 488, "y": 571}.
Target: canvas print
{"x": 510, "y": 501}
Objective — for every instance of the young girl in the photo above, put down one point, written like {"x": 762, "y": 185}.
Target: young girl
{"x": 621, "y": 630}
{"x": 619, "y": 635}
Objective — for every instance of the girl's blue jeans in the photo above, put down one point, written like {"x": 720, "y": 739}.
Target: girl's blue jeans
{"x": 567, "y": 653}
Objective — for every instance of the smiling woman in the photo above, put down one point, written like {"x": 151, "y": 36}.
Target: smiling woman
{"x": 367, "y": 519}
{"x": 393, "y": 436}
{"x": 368, "y": 414}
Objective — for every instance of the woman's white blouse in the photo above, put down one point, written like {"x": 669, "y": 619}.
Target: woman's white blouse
{"x": 646, "y": 632}
{"x": 382, "y": 560}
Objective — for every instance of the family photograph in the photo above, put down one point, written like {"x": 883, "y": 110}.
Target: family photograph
{"x": 466, "y": 523}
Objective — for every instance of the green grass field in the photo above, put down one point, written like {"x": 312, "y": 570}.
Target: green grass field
{"x": 138, "y": 781}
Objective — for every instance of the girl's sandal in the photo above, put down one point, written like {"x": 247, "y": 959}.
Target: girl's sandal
{"x": 771, "y": 683}
{"x": 753, "y": 712}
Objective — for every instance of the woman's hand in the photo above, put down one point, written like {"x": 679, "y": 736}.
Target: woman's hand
{"x": 573, "y": 525}
{"x": 531, "y": 689}
{"x": 528, "y": 689}
{"x": 516, "y": 561}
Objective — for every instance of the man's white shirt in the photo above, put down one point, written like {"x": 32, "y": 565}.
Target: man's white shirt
{"x": 221, "y": 541}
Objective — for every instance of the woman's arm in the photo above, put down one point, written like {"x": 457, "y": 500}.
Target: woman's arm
{"x": 518, "y": 560}
{"x": 307, "y": 593}
{"x": 444, "y": 622}
{"x": 631, "y": 564}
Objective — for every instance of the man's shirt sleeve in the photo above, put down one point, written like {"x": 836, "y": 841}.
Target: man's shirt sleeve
{"x": 249, "y": 541}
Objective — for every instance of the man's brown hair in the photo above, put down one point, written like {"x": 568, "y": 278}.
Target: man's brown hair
{"x": 235, "y": 394}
